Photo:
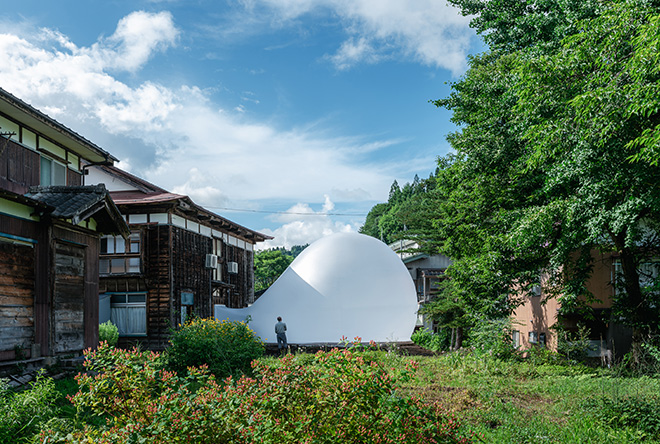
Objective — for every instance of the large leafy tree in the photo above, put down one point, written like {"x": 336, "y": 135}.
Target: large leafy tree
{"x": 587, "y": 120}
{"x": 269, "y": 265}
{"x": 552, "y": 120}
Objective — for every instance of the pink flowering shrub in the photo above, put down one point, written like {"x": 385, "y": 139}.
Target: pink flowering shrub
{"x": 338, "y": 398}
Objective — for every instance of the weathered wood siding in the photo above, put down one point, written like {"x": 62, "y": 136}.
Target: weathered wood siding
{"x": 189, "y": 273}
{"x": 156, "y": 267}
{"x": 73, "y": 178}
{"x": 76, "y": 282}
{"x": 39, "y": 234}
{"x": 16, "y": 297}
{"x": 241, "y": 291}
{"x": 68, "y": 298}
{"x": 19, "y": 168}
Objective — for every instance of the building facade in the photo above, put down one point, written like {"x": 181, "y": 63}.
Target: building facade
{"x": 536, "y": 321}
{"x": 179, "y": 260}
{"x": 50, "y": 229}
{"x": 426, "y": 271}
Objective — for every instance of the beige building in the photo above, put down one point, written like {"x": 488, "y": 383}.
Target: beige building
{"x": 535, "y": 318}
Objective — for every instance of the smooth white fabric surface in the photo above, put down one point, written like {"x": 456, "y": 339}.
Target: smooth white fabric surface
{"x": 346, "y": 284}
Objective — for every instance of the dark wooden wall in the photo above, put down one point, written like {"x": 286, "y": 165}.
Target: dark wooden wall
{"x": 88, "y": 243}
{"x": 16, "y": 297}
{"x": 68, "y": 298}
{"x": 189, "y": 273}
{"x": 19, "y": 168}
{"x": 156, "y": 252}
{"x": 40, "y": 233}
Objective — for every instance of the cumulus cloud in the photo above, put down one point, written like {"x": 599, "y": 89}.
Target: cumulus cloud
{"x": 177, "y": 138}
{"x": 428, "y": 31}
{"x": 300, "y": 230}
{"x": 48, "y": 68}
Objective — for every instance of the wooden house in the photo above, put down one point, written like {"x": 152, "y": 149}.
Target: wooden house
{"x": 426, "y": 271}
{"x": 180, "y": 259}
{"x": 50, "y": 229}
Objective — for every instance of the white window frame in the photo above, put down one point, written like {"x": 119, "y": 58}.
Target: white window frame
{"x": 51, "y": 181}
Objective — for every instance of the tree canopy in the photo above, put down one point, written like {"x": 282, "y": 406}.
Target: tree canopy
{"x": 270, "y": 264}
{"x": 555, "y": 160}
{"x": 556, "y": 154}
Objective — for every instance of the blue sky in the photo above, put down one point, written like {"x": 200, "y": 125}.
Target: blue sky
{"x": 298, "y": 113}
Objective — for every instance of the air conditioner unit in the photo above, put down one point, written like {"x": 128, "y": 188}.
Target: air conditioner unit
{"x": 232, "y": 267}
{"x": 211, "y": 261}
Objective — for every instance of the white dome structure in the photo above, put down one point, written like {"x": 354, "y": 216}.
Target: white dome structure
{"x": 346, "y": 284}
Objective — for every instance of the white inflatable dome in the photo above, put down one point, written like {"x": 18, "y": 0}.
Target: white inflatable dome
{"x": 346, "y": 284}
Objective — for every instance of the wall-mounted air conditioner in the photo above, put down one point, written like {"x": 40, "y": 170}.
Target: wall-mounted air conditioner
{"x": 232, "y": 267}
{"x": 211, "y": 261}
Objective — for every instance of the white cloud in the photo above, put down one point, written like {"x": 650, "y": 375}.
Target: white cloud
{"x": 138, "y": 35}
{"x": 178, "y": 130}
{"x": 177, "y": 138}
{"x": 428, "y": 31}
{"x": 301, "y": 230}
{"x": 78, "y": 79}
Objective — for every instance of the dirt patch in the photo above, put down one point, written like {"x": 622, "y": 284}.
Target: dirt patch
{"x": 451, "y": 399}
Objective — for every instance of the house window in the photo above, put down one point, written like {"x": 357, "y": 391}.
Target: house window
{"x": 542, "y": 339}
{"x": 120, "y": 256}
{"x": 217, "y": 250}
{"x": 515, "y": 336}
{"x": 52, "y": 172}
{"x": 128, "y": 311}
{"x": 648, "y": 275}
{"x": 533, "y": 337}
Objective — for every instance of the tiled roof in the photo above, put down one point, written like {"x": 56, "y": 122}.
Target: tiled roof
{"x": 68, "y": 201}
{"x": 137, "y": 197}
{"x": 78, "y": 203}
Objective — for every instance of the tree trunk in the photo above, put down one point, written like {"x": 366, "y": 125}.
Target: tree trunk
{"x": 635, "y": 300}
{"x": 459, "y": 338}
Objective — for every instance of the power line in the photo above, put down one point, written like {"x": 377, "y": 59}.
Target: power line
{"x": 285, "y": 212}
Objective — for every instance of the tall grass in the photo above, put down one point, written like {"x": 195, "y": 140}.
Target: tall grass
{"x": 507, "y": 401}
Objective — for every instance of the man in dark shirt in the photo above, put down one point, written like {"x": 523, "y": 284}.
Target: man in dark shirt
{"x": 280, "y": 331}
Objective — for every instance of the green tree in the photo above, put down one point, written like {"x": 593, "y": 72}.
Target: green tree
{"x": 269, "y": 265}
{"x": 551, "y": 119}
{"x": 596, "y": 112}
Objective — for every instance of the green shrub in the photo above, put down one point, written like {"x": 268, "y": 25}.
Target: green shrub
{"x": 226, "y": 347}
{"x": 573, "y": 345}
{"x": 23, "y": 413}
{"x": 109, "y": 333}
{"x": 493, "y": 338}
{"x": 429, "y": 340}
{"x": 339, "y": 397}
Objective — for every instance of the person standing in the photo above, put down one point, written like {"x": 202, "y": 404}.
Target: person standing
{"x": 280, "y": 331}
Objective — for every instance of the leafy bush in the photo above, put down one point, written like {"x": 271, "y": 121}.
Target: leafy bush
{"x": 493, "y": 338}
{"x": 574, "y": 346}
{"x": 338, "y": 398}
{"x": 429, "y": 340}
{"x": 108, "y": 332}
{"x": 23, "y": 413}
{"x": 226, "y": 347}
